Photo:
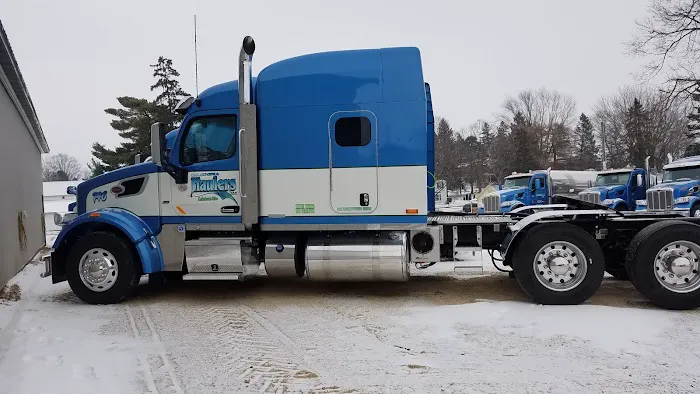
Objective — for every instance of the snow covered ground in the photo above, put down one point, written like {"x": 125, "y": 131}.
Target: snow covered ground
{"x": 438, "y": 333}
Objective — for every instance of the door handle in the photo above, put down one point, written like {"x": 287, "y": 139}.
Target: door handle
{"x": 241, "y": 162}
{"x": 230, "y": 209}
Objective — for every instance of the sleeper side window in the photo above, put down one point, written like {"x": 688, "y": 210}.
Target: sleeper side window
{"x": 209, "y": 138}
{"x": 353, "y": 131}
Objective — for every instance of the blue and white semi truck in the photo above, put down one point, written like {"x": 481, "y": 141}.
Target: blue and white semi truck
{"x": 319, "y": 169}
{"x": 535, "y": 188}
{"x": 679, "y": 190}
{"x": 618, "y": 189}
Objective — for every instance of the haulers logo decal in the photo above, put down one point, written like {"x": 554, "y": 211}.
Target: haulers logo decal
{"x": 210, "y": 187}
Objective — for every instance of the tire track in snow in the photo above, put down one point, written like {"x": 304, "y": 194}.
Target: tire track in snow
{"x": 263, "y": 357}
{"x": 164, "y": 379}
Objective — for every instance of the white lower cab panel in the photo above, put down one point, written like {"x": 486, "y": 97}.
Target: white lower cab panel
{"x": 306, "y": 192}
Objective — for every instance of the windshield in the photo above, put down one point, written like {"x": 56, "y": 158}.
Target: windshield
{"x": 676, "y": 174}
{"x": 515, "y": 183}
{"x": 618, "y": 178}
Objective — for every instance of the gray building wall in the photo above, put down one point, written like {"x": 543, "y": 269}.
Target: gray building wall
{"x": 20, "y": 188}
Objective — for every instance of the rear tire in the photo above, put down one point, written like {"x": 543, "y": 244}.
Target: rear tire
{"x": 101, "y": 268}
{"x": 559, "y": 264}
{"x": 662, "y": 262}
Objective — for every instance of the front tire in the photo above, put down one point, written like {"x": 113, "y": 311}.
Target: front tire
{"x": 695, "y": 211}
{"x": 559, "y": 264}
{"x": 663, "y": 264}
{"x": 101, "y": 268}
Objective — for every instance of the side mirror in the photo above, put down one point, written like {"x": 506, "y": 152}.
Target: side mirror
{"x": 157, "y": 143}
{"x": 71, "y": 190}
{"x": 160, "y": 157}
{"x": 640, "y": 180}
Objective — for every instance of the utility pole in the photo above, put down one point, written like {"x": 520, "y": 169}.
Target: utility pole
{"x": 602, "y": 137}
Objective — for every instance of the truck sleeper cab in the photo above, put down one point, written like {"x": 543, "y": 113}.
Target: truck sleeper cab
{"x": 321, "y": 168}
{"x": 679, "y": 190}
{"x": 618, "y": 189}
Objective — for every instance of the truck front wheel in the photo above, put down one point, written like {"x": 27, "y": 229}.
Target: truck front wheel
{"x": 101, "y": 268}
{"x": 663, "y": 264}
{"x": 559, "y": 264}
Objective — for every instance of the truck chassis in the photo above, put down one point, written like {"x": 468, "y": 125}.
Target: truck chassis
{"x": 557, "y": 256}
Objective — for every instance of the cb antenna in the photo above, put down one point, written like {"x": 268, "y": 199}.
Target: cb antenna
{"x": 196, "y": 65}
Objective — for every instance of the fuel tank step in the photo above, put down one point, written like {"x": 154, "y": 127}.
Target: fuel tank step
{"x": 469, "y": 261}
{"x": 211, "y": 276}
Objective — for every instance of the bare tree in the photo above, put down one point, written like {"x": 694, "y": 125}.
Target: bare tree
{"x": 670, "y": 37}
{"x": 61, "y": 167}
{"x": 549, "y": 115}
{"x": 665, "y": 134}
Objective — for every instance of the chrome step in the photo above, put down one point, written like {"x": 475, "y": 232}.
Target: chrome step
{"x": 212, "y": 276}
{"x": 473, "y": 265}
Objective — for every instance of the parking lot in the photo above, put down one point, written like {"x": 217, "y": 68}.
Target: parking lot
{"x": 437, "y": 333}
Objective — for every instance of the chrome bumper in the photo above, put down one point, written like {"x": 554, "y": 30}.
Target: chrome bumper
{"x": 47, "y": 266}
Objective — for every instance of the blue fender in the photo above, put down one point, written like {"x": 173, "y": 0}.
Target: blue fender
{"x": 132, "y": 226}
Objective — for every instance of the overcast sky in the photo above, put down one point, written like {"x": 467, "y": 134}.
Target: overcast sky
{"x": 78, "y": 56}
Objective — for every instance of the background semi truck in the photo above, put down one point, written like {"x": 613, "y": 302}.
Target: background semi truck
{"x": 319, "y": 169}
{"x": 618, "y": 189}
{"x": 536, "y": 188}
{"x": 679, "y": 190}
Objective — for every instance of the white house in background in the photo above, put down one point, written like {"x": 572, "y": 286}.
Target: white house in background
{"x": 56, "y": 201}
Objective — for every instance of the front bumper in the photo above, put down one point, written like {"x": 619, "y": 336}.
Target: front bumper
{"x": 682, "y": 211}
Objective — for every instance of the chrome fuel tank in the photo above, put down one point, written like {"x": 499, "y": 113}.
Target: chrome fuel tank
{"x": 381, "y": 256}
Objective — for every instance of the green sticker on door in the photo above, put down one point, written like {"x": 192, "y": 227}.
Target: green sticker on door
{"x": 305, "y": 208}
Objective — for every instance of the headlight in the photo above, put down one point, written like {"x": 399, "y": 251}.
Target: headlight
{"x": 607, "y": 201}
{"x": 508, "y": 203}
{"x": 641, "y": 202}
{"x": 682, "y": 200}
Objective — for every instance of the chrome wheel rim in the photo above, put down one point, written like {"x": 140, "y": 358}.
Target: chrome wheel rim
{"x": 560, "y": 266}
{"x": 676, "y": 267}
{"x": 696, "y": 214}
{"x": 98, "y": 270}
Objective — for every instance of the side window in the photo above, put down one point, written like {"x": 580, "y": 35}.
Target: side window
{"x": 353, "y": 131}
{"x": 209, "y": 138}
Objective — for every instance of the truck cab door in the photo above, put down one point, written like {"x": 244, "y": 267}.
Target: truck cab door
{"x": 638, "y": 191}
{"x": 208, "y": 149}
{"x": 353, "y": 162}
{"x": 538, "y": 187}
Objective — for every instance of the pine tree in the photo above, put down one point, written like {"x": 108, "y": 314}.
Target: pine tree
{"x": 166, "y": 81}
{"x": 133, "y": 121}
{"x": 637, "y": 127}
{"x": 446, "y": 155}
{"x": 500, "y": 155}
{"x": 586, "y": 148}
{"x": 523, "y": 145}
{"x": 693, "y": 133}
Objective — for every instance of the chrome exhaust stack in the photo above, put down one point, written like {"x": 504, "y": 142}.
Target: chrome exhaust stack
{"x": 245, "y": 66}
{"x": 247, "y": 182}
{"x": 646, "y": 167}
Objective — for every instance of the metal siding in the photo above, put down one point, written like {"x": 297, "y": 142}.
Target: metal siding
{"x": 21, "y": 160}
